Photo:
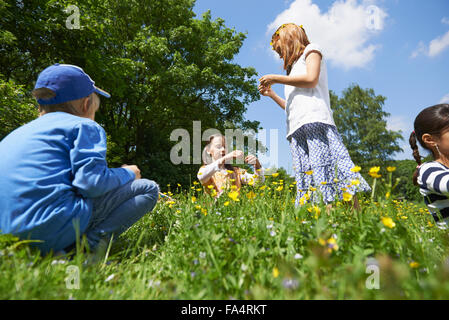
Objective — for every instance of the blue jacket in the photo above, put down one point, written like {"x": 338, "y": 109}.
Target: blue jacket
{"x": 50, "y": 169}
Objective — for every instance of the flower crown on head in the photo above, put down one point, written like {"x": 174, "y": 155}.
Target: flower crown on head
{"x": 282, "y": 27}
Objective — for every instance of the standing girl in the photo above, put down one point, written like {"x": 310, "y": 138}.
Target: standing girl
{"x": 432, "y": 132}
{"x": 320, "y": 159}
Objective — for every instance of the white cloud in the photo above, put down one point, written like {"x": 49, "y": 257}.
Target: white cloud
{"x": 344, "y": 31}
{"x": 438, "y": 45}
{"x": 445, "y": 99}
{"x": 435, "y": 47}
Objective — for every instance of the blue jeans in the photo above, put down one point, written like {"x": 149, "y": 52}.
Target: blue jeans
{"x": 119, "y": 209}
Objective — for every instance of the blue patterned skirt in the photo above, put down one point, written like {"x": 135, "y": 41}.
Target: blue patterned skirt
{"x": 322, "y": 162}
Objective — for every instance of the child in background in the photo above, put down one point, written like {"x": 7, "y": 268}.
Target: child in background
{"x": 217, "y": 174}
{"x": 432, "y": 132}
{"x": 56, "y": 184}
{"x": 319, "y": 156}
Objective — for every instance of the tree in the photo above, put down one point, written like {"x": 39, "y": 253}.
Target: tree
{"x": 164, "y": 68}
{"x": 361, "y": 121}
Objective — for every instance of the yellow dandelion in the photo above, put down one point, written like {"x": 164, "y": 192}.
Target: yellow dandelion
{"x": 234, "y": 195}
{"x": 210, "y": 186}
{"x": 309, "y": 173}
{"x": 204, "y": 211}
{"x": 347, "y": 196}
{"x": 263, "y": 187}
{"x": 229, "y": 171}
{"x": 355, "y": 182}
{"x": 374, "y": 172}
{"x": 275, "y": 272}
{"x": 387, "y": 195}
{"x": 356, "y": 169}
{"x": 388, "y": 222}
{"x": 226, "y": 203}
{"x": 193, "y": 199}
{"x": 413, "y": 264}
{"x": 251, "y": 195}
{"x": 196, "y": 183}
{"x": 323, "y": 183}
{"x": 391, "y": 169}
{"x": 274, "y": 175}
{"x": 199, "y": 189}
{"x": 280, "y": 188}
{"x": 322, "y": 241}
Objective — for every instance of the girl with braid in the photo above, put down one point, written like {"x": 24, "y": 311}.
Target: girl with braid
{"x": 432, "y": 132}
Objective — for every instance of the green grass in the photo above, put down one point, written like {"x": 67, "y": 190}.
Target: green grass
{"x": 261, "y": 248}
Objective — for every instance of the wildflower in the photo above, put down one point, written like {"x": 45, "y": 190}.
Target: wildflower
{"x": 309, "y": 173}
{"x": 226, "y": 203}
{"x": 179, "y": 184}
{"x": 336, "y": 180}
{"x": 323, "y": 183}
{"x": 193, "y": 199}
{"x": 229, "y": 171}
{"x": 196, "y": 183}
{"x": 210, "y": 186}
{"x": 275, "y": 272}
{"x": 391, "y": 169}
{"x": 263, "y": 187}
{"x": 355, "y": 182}
{"x": 413, "y": 264}
{"x": 234, "y": 195}
{"x": 312, "y": 189}
{"x": 298, "y": 256}
{"x": 347, "y": 196}
{"x": 272, "y": 233}
{"x": 199, "y": 189}
{"x": 280, "y": 188}
{"x": 332, "y": 244}
{"x": 202, "y": 255}
{"x": 374, "y": 172}
{"x": 356, "y": 169}
{"x": 387, "y": 195}
{"x": 291, "y": 284}
{"x": 388, "y": 222}
{"x": 204, "y": 211}
{"x": 274, "y": 175}
{"x": 244, "y": 267}
{"x": 322, "y": 241}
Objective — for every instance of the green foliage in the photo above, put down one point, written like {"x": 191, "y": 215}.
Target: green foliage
{"x": 362, "y": 123}
{"x": 16, "y": 107}
{"x": 163, "y": 66}
{"x": 406, "y": 189}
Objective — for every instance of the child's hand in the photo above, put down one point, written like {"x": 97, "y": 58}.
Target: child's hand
{"x": 134, "y": 169}
{"x": 265, "y": 91}
{"x": 252, "y": 160}
{"x": 268, "y": 80}
{"x": 236, "y": 154}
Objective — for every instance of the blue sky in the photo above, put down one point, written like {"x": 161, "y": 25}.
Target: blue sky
{"x": 400, "y": 48}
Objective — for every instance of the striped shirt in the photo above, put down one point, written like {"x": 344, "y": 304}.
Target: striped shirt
{"x": 433, "y": 181}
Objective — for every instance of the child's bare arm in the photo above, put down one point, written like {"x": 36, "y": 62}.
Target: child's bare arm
{"x": 308, "y": 80}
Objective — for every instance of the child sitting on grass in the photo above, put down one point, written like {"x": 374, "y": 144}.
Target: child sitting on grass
{"x": 56, "y": 184}
{"x": 432, "y": 132}
{"x": 218, "y": 175}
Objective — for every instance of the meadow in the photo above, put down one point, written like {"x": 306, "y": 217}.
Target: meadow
{"x": 250, "y": 245}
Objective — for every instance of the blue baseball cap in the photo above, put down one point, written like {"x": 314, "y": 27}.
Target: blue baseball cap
{"x": 69, "y": 82}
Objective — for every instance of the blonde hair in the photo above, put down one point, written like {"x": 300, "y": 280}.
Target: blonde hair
{"x": 206, "y": 157}
{"x": 290, "y": 41}
{"x": 47, "y": 94}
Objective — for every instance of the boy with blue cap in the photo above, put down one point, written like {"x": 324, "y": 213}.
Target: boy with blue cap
{"x": 55, "y": 182}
